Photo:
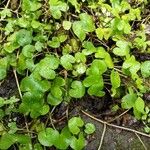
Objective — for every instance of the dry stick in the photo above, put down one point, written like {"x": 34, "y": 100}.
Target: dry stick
{"x": 118, "y": 116}
{"x": 50, "y": 117}
{"x": 102, "y": 137}
{"x": 141, "y": 141}
{"x": 7, "y": 4}
{"x": 17, "y": 82}
{"x": 115, "y": 126}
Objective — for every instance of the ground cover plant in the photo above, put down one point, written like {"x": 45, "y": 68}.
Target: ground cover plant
{"x": 61, "y": 51}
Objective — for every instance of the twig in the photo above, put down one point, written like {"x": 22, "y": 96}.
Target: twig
{"x": 26, "y": 125}
{"x": 17, "y": 82}
{"x": 120, "y": 73}
{"x": 50, "y": 117}
{"x": 118, "y": 116}
{"x": 102, "y": 137}
{"x": 115, "y": 126}
{"x": 141, "y": 141}
{"x": 7, "y": 4}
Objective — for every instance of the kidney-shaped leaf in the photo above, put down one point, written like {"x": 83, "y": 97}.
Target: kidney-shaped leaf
{"x": 32, "y": 84}
{"x": 48, "y": 137}
{"x": 128, "y": 101}
{"x": 78, "y": 144}
{"x": 23, "y": 37}
{"x": 74, "y": 124}
{"x": 66, "y": 61}
{"x": 78, "y": 90}
{"x": 89, "y": 128}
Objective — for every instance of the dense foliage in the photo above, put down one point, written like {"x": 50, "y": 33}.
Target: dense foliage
{"x": 62, "y": 50}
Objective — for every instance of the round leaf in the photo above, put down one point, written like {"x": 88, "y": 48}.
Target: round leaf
{"x": 78, "y": 90}
{"x": 66, "y": 25}
{"x": 89, "y": 128}
{"x": 48, "y": 137}
{"x": 74, "y": 124}
{"x": 53, "y": 100}
{"x": 66, "y": 61}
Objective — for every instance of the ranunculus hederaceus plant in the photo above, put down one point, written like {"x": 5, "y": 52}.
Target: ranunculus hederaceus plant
{"x": 63, "y": 50}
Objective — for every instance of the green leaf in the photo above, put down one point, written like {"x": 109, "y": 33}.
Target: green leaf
{"x": 122, "y": 48}
{"x": 44, "y": 109}
{"x": 95, "y": 90}
{"x": 108, "y": 61}
{"x": 2, "y": 114}
{"x": 11, "y": 46}
{"x": 28, "y": 50}
{"x": 22, "y": 139}
{"x": 39, "y": 46}
{"x": 59, "y": 81}
{"x": 101, "y": 53}
{"x": 30, "y": 6}
{"x": 128, "y": 101}
{"x": 64, "y": 139}
{"x": 23, "y": 37}
{"x": 5, "y": 13}
{"x": 32, "y": 103}
{"x": 103, "y": 33}
{"x": 47, "y": 73}
{"x": 48, "y": 137}
{"x": 66, "y": 61}
{"x": 3, "y": 67}
{"x": 74, "y": 45}
{"x": 62, "y": 38}
{"x": 80, "y": 57}
{"x": 81, "y": 68}
{"x": 77, "y": 90}
{"x": 78, "y": 30}
{"x": 35, "y": 24}
{"x": 75, "y": 4}
{"x": 145, "y": 69}
{"x": 9, "y": 139}
{"x": 55, "y": 43}
{"x": 38, "y": 146}
{"x": 45, "y": 68}
{"x": 89, "y": 128}
{"x": 78, "y": 144}
{"x": 66, "y": 25}
{"x": 140, "y": 105}
{"x": 50, "y": 61}
{"x": 2, "y": 102}
{"x": 6, "y": 141}
{"x": 56, "y": 91}
{"x": 53, "y": 100}
{"x": 89, "y": 48}
{"x": 137, "y": 114}
{"x": 115, "y": 79}
{"x": 23, "y": 22}
{"x": 56, "y": 7}
{"x": 98, "y": 67}
{"x": 92, "y": 80}
{"x": 74, "y": 124}
{"x": 129, "y": 62}
{"x": 87, "y": 22}
{"x": 31, "y": 84}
